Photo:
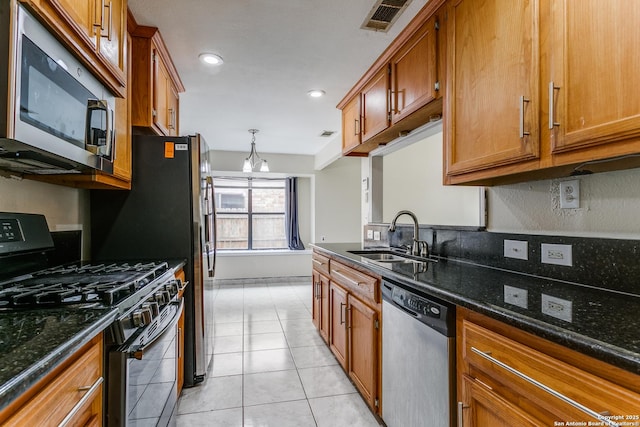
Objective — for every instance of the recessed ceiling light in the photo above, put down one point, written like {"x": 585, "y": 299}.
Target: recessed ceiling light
{"x": 211, "y": 59}
{"x": 316, "y": 93}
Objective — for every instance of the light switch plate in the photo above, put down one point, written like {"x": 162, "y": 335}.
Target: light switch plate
{"x": 556, "y": 254}
{"x": 369, "y": 234}
{"x": 376, "y": 235}
{"x": 516, "y": 249}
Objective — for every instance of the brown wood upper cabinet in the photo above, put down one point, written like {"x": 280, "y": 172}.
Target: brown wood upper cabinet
{"x": 95, "y": 30}
{"x": 493, "y": 71}
{"x": 398, "y": 93}
{"x": 156, "y": 83}
{"x": 537, "y": 88}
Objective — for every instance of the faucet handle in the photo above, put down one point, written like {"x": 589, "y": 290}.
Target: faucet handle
{"x": 423, "y": 248}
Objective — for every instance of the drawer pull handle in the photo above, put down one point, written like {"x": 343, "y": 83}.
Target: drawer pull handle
{"x": 78, "y": 406}
{"x": 348, "y": 279}
{"x": 316, "y": 262}
{"x": 546, "y": 388}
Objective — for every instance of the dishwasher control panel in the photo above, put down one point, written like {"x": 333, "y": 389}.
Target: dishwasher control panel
{"x": 415, "y": 303}
{"x": 439, "y": 315}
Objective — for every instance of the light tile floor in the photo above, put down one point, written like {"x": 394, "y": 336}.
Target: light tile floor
{"x": 270, "y": 366}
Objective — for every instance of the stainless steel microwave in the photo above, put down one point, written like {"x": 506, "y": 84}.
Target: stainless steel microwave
{"x": 55, "y": 116}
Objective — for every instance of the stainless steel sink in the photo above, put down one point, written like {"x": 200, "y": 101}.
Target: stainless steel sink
{"x": 389, "y": 257}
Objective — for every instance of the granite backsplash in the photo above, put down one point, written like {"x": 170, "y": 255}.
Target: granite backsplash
{"x": 612, "y": 264}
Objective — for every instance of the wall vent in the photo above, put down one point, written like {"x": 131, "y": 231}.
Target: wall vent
{"x": 327, "y": 133}
{"x": 383, "y": 14}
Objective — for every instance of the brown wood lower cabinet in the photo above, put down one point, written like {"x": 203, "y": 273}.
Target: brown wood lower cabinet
{"x": 507, "y": 377}
{"x": 348, "y": 301}
{"x": 320, "y": 306}
{"x": 338, "y": 324}
{"x": 71, "y": 393}
{"x": 362, "y": 328}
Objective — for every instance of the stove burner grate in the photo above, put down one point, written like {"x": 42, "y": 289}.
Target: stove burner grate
{"x": 106, "y": 284}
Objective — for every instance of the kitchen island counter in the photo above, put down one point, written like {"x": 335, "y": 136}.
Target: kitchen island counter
{"x": 600, "y": 323}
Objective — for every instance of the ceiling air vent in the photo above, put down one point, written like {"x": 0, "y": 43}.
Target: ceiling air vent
{"x": 383, "y": 14}
{"x": 327, "y": 133}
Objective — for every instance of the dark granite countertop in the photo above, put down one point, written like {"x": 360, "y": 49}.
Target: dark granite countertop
{"x": 33, "y": 342}
{"x": 603, "y": 324}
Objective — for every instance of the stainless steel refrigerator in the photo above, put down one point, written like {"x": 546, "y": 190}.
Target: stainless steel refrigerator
{"x": 169, "y": 214}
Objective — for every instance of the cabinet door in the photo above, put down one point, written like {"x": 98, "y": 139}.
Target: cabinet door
{"x": 594, "y": 74}
{"x": 320, "y": 307}
{"x": 161, "y": 95}
{"x": 363, "y": 345}
{"x": 338, "y": 323}
{"x": 122, "y": 160}
{"x": 481, "y": 407}
{"x": 375, "y": 105}
{"x": 324, "y": 308}
{"x": 180, "y": 353}
{"x": 112, "y": 32}
{"x": 414, "y": 73}
{"x": 492, "y": 84}
{"x": 351, "y": 122}
{"x": 316, "y": 306}
{"x": 86, "y": 14}
{"x": 172, "y": 109}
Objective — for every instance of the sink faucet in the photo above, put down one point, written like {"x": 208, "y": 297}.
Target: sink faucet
{"x": 419, "y": 247}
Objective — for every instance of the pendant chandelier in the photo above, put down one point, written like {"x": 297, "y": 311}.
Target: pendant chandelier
{"x": 254, "y": 159}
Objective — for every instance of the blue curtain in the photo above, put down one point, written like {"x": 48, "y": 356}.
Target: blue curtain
{"x": 291, "y": 215}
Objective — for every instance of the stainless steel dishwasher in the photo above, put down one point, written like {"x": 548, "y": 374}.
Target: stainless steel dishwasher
{"x": 418, "y": 359}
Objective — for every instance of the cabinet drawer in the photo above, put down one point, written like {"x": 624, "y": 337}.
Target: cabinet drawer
{"x": 63, "y": 394}
{"x": 320, "y": 263}
{"x": 550, "y": 384}
{"x": 355, "y": 281}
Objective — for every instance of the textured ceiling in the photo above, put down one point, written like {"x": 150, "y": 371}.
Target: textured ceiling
{"x": 275, "y": 51}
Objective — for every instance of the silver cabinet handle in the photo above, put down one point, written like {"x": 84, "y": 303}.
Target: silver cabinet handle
{"x": 522, "y": 131}
{"x": 316, "y": 262}
{"x": 348, "y": 279}
{"x": 461, "y": 408}
{"x": 546, "y": 388}
{"x": 552, "y": 115}
{"x": 342, "y": 311}
{"x": 88, "y": 395}
{"x": 356, "y": 127}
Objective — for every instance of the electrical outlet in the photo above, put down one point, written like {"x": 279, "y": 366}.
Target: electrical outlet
{"x": 556, "y": 254}
{"x": 557, "y": 307}
{"x": 570, "y": 194}
{"x": 516, "y": 249}
{"x": 516, "y": 296}
{"x": 369, "y": 234}
{"x": 376, "y": 235}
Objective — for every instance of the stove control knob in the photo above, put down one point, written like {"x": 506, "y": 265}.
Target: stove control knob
{"x": 162, "y": 297}
{"x": 153, "y": 306}
{"x": 172, "y": 287}
{"x": 141, "y": 317}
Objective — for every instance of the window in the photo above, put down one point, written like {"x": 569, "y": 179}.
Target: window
{"x": 250, "y": 213}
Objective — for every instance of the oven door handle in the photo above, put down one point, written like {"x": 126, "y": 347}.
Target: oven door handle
{"x": 137, "y": 352}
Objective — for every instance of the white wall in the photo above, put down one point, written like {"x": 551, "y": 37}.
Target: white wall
{"x": 609, "y": 207}
{"x": 413, "y": 180}
{"x": 65, "y": 208}
{"x": 338, "y": 202}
